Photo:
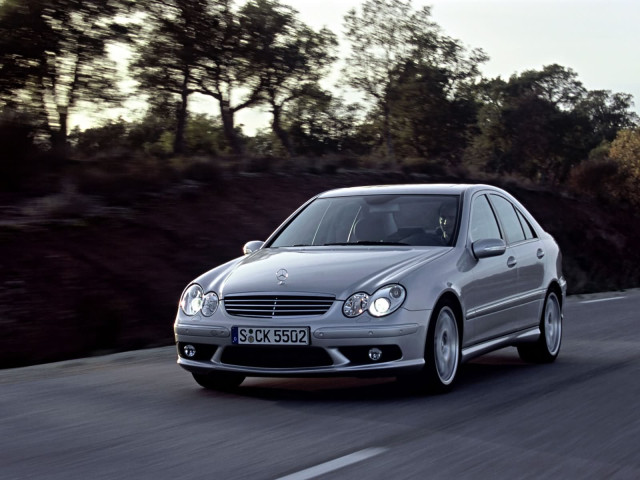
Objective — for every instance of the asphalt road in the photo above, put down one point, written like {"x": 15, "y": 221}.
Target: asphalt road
{"x": 138, "y": 415}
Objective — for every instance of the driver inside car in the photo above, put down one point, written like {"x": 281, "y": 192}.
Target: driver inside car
{"x": 446, "y": 223}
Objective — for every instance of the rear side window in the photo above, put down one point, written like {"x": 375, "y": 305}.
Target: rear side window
{"x": 483, "y": 221}
{"x": 509, "y": 219}
{"x": 529, "y": 233}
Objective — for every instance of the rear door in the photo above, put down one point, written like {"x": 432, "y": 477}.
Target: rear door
{"x": 525, "y": 250}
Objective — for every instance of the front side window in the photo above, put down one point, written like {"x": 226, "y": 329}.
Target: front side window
{"x": 416, "y": 220}
{"x": 483, "y": 225}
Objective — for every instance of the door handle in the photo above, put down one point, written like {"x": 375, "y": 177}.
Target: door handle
{"x": 511, "y": 262}
{"x": 540, "y": 253}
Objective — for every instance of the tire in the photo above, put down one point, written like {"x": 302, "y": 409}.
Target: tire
{"x": 546, "y": 349}
{"x": 218, "y": 380}
{"x": 441, "y": 352}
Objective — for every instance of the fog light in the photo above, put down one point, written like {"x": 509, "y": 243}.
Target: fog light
{"x": 375, "y": 354}
{"x": 189, "y": 351}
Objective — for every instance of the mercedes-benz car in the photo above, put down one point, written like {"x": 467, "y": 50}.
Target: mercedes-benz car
{"x": 405, "y": 281}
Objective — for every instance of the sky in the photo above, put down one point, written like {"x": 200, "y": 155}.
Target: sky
{"x": 598, "y": 39}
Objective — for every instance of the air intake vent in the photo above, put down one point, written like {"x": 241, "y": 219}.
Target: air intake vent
{"x": 275, "y": 357}
{"x": 271, "y": 306}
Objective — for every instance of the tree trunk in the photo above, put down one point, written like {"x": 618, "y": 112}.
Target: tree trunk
{"x": 280, "y": 132}
{"x": 228, "y": 125}
{"x": 387, "y": 135}
{"x": 181, "y": 116}
{"x": 59, "y": 137}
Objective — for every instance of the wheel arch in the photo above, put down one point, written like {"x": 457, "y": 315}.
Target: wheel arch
{"x": 452, "y": 299}
{"x": 555, "y": 287}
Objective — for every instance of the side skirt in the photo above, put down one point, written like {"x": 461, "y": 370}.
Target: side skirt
{"x": 523, "y": 336}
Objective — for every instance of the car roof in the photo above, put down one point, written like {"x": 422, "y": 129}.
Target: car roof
{"x": 408, "y": 189}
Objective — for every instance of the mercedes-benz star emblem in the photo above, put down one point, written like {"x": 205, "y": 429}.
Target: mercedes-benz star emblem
{"x": 282, "y": 276}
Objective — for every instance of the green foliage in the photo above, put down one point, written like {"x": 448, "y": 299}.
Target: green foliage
{"x": 606, "y": 113}
{"x": 599, "y": 177}
{"x": 426, "y": 104}
{"x": 204, "y": 135}
{"x": 53, "y": 54}
{"x": 415, "y": 75}
{"x": 163, "y": 147}
{"x": 319, "y": 124}
{"x": 225, "y": 70}
{"x": 287, "y": 57}
{"x": 542, "y": 123}
{"x": 96, "y": 140}
{"x": 265, "y": 144}
{"x": 168, "y": 56}
{"x": 157, "y": 120}
{"x": 625, "y": 151}
{"x": 153, "y": 135}
{"x": 429, "y": 122}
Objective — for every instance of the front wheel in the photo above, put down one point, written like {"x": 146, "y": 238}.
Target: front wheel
{"x": 218, "y": 380}
{"x": 441, "y": 352}
{"x": 546, "y": 349}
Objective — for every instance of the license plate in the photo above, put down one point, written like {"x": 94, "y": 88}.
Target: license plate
{"x": 270, "y": 335}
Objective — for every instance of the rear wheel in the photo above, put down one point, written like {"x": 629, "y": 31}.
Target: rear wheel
{"x": 546, "y": 349}
{"x": 218, "y": 380}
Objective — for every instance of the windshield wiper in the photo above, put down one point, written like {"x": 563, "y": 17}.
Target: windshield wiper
{"x": 365, "y": 242}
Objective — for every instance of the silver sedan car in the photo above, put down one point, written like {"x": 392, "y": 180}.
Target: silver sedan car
{"x": 404, "y": 280}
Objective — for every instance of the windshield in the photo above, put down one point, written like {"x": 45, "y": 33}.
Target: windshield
{"x": 417, "y": 220}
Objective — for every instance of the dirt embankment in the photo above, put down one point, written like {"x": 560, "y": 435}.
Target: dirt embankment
{"x": 105, "y": 279}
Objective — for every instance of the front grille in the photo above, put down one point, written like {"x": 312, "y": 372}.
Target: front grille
{"x": 271, "y": 306}
{"x": 275, "y": 357}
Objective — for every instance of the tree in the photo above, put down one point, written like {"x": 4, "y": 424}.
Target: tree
{"x": 607, "y": 113}
{"x": 319, "y": 123}
{"x": 555, "y": 84}
{"x": 388, "y": 37}
{"x": 431, "y": 121}
{"x": 543, "y": 123}
{"x": 168, "y": 55}
{"x": 224, "y": 70}
{"x": 625, "y": 150}
{"x": 204, "y": 135}
{"x": 288, "y": 57}
{"x": 53, "y": 54}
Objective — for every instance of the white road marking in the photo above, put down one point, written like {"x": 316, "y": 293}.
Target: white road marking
{"x": 336, "y": 464}
{"x": 603, "y": 300}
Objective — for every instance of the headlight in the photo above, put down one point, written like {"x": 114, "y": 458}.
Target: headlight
{"x": 192, "y": 300}
{"x": 210, "y": 304}
{"x": 385, "y": 301}
{"x": 355, "y": 304}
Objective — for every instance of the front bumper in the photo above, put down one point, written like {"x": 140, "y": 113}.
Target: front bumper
{"x": 335, "y": 349}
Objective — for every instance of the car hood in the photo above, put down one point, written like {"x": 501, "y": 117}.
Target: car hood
{"x": 337, "y": 271}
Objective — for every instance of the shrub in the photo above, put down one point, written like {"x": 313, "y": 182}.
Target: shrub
{"x": 625, "y": 151}
{"x": 19, "y": 154}
{"x": 598, "y": 178}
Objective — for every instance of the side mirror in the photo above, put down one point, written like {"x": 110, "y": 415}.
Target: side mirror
{"x": 252, "y": 246}
{"x": 490, "y": 247}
